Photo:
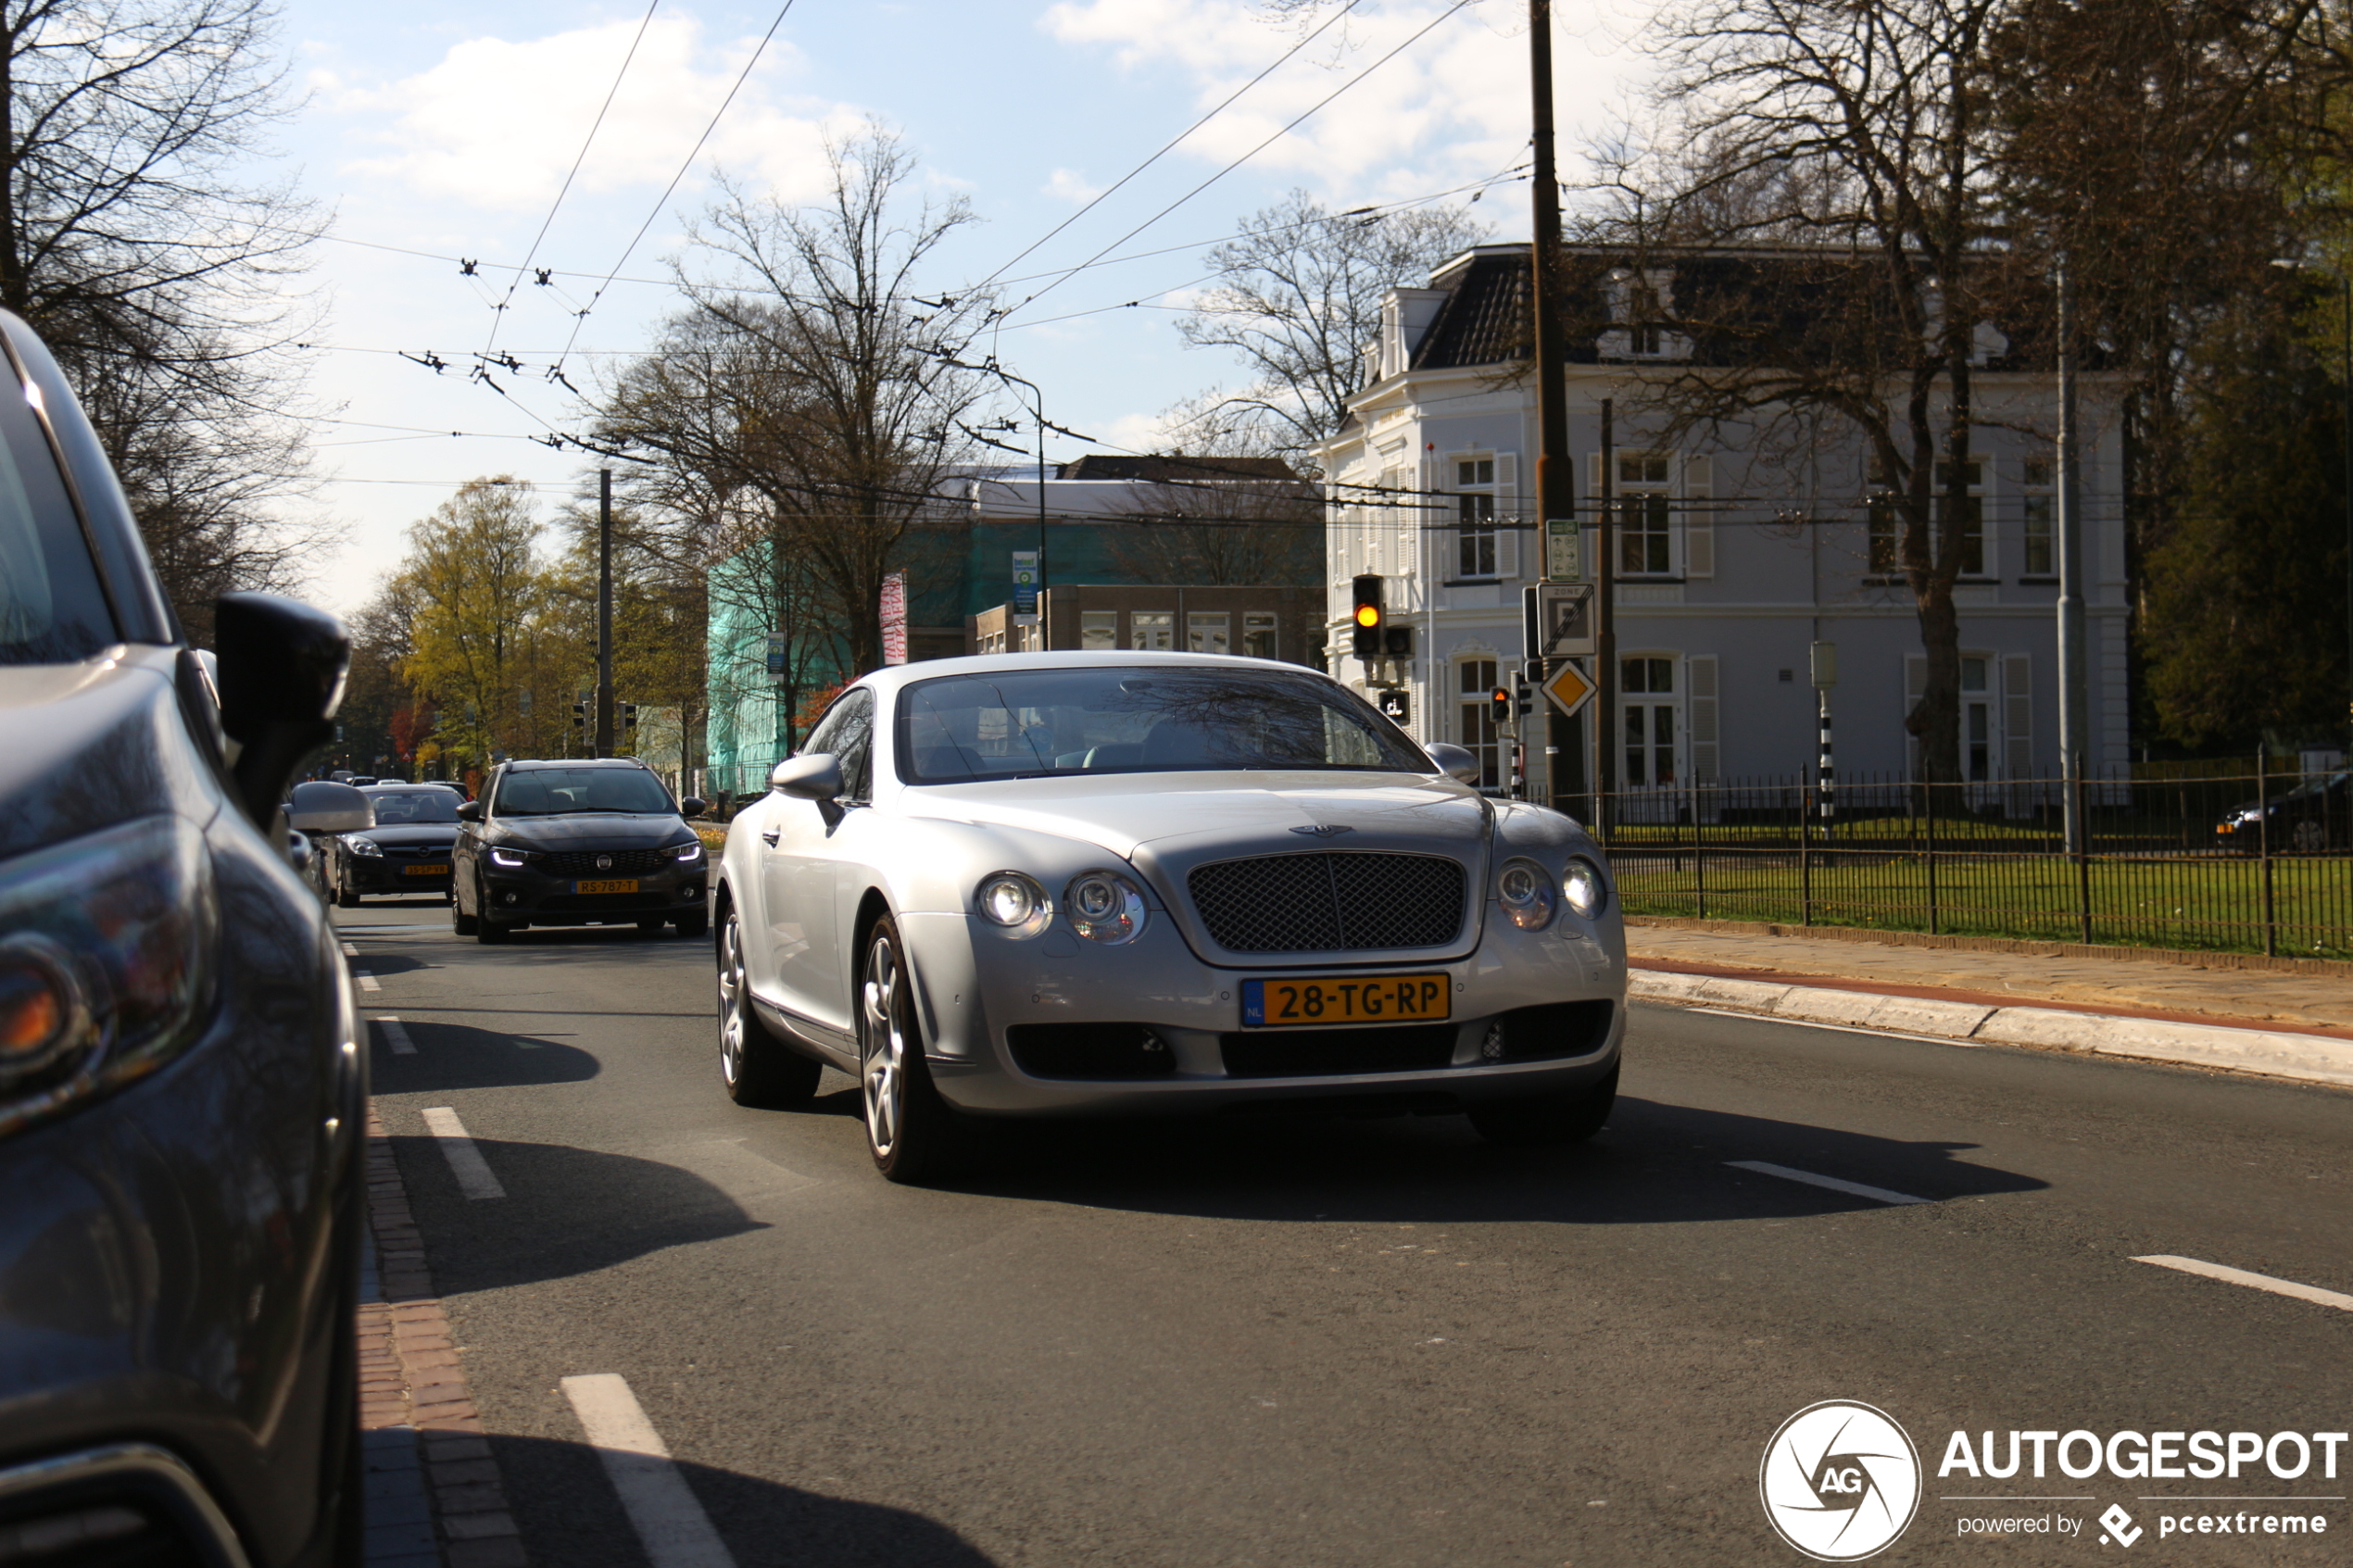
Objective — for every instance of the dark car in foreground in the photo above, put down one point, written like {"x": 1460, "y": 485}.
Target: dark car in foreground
{"x": 586, "y": 842}
{"x": 181, "y": 1097}
{"x": 2316, "y": 815}
{"x": 406, "y": 852}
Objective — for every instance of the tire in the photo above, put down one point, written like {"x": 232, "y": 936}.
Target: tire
{"x": 2309, "y": 836}
{"x": 345, "y": 897}
{"x": 1552, "y": 1122}
{"x": 756, "y": 1068}
{"x": 695, "y": 925}
{"x": 461, "y": 921}
{"x": 910, "y": 1130}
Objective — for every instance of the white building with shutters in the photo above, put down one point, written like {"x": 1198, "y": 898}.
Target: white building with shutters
{"x": 1731, "y": 559}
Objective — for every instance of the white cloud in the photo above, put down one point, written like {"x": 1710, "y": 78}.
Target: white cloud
{"x": 497, "y": 122}
{"x": 1138, "y": 433}
{"x": 1070, "y": 185}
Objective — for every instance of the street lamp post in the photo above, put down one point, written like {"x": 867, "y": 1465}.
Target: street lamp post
{"x": 2345, "y": 281}
{"x": 990, "y": 367}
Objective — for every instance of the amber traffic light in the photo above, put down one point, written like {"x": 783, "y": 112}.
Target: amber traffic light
{"x": 1365, "y": 632}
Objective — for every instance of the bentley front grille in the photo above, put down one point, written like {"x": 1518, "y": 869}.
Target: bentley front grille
{"x": 1330, "y": 901}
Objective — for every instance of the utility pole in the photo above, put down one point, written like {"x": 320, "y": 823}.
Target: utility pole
{"x": 2074, "y": 717}
{"x": 1556, "y": 478}
{"x": 604, "y": 612}
{"x": 1604, "y": 704}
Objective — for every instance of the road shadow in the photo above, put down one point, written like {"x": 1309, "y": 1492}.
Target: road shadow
{"x": 567, "y": 1211}
{"x": 383, "y": 964}
{"x": 1655, "y": 1163}
{"x": 571, "y": 1517}
{"x": 458, "y": 1056}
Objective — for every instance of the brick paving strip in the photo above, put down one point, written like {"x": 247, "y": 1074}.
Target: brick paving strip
{"x": 434, "y": 1499}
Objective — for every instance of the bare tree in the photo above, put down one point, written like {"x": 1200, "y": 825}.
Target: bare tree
{"x": 129, "y": 241}
{"x": 1229, "y": 518}
{"x": 1299, "y": 298}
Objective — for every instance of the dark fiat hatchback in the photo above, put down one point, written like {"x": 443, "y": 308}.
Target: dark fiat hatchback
{"x": 181, "y": 1098}
{"x": 577, "y": 842}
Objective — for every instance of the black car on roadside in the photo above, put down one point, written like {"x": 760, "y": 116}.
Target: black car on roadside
{"x": 183, "y": 1098}
{"x": 586, "y": 842}
{"x": 405, "y": 852}
{"x": 2315, "y": 816}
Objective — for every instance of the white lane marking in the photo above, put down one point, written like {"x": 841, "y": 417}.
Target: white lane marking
{"x": 1853, "y": 1189}
{"x": 397, "y": 1037}
{"x": 2229, "y": 1275}
{"x": 675, "y": 1529}
{"x": 466, "y": 1163}
{"x": 349, "y": 951}
{"x": 367, "y": 981}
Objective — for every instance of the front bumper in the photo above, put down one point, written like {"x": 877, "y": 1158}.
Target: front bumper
{"x": 1006, "y": 1025}
{"x": 525, "y": 895}
{"x": 369, "y": 873}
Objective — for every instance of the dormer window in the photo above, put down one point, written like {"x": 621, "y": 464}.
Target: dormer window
{"x": 1641, "y": 307}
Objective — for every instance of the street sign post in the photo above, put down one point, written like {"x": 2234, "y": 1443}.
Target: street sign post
{"x": 1559, "y": 619}
{"x": 1396, "y": 706}
{"x": 1569, "y": 688}
{"x": 1024, "y": 587}
{"x": 1564, "y": 553}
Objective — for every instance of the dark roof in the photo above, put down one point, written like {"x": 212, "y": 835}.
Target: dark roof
{"x": 1736, "y": 307}
{"x": 1108, "y": 465}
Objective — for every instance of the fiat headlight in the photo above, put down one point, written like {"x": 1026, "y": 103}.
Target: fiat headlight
{"x": 1585, "y": 888}
{"x": 1014, "y": 901}
{"x": 104, "y": 944}
{"x": 1104, "y": 907}
{"x": 1525, "y": 890}
{"x": 509, "y": 858}
{"x": 363, "y": 846}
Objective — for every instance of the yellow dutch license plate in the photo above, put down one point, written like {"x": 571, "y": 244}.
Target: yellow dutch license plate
{"x": 1386, "y": 998}
{"x": 610, "y": 884}
{"x": 426, "y": 870}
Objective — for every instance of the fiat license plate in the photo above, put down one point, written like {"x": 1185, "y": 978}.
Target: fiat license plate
{"x": 610, "y": 884}
{"x": 426, "y": 870}
{"x": 1388, "y": 998}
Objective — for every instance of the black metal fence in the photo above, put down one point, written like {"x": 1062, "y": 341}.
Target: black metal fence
{"x": 2261, "y": 862}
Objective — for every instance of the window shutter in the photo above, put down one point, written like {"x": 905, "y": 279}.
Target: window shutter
{"x": 1699, "y": 517}
{"x": 1914, "y": 686}
{"x": 1706, "y": 753}
{"x": 2018, "y": 716}
{"x": 1507, "y": 514}
{"x": 1592, "y": 473}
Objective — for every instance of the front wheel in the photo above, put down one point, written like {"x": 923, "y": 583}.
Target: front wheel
{"x": 757, "y": 1068}
{"x": 910, "y": 1130}
{"x": 460, "y": 923}
{"x": 345, "y": 897}
{"x": 1551, "y": 1120}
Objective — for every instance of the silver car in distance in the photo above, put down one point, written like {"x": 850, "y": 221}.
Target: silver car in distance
{"x": 1128, "y": 883}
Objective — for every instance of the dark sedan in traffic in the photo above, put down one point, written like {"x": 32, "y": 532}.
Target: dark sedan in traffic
{"x": 578, "y": 843}
{"x": 408, "y": 851}
{"x": 2315, "y": 816}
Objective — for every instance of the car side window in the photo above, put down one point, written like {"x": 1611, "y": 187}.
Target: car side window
{"x": 848, "y": 733}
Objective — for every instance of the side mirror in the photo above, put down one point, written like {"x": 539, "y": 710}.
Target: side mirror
{"x": 282, "y": 666}
{"x": 470, "y": 811}
{"x": 693, "y": 806}
{"x": 1454, "y": 761}
{"x": 816, "y": 776}
{"x": 322, "y": 807}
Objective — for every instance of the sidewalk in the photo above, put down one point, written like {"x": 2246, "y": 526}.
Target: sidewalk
{"x": 2279, "y": 1023}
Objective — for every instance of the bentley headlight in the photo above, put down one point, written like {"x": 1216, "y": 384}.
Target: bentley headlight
{"x": 104, "y": 971}
{"x": 1015, "y": 901}
{"x": 1585, "y": 888}
{"x": 1104, "y": 907}
{"x": 1526, "y": 892}
{"x": 359, "y": 843}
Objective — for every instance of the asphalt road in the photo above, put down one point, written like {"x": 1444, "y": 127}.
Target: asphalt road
{"x": 1349, "y": 1343}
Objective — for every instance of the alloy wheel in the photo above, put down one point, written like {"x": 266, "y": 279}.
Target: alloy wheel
{"x": 731, "y": 990}
{"x": 886, "y": 1065}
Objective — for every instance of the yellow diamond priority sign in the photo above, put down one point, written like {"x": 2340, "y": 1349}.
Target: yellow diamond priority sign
{"x": 1569, "y": 687}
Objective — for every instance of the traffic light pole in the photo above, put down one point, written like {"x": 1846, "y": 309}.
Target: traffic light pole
{"x": 1605, "y": 575}
{"x": 1555, "y": 479}
{"x": 604, "y": 613}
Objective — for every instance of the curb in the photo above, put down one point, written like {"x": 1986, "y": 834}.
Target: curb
{"x": 2309, "y": 1058}
{"x": 427, "y": 1460}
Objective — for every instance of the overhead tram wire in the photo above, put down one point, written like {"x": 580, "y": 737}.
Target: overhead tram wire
{"x": 1168, "y": 146}
{"x": 689, "y": 162}
{"x": 1417, "y": 36}
{"x": 533, "y": 253}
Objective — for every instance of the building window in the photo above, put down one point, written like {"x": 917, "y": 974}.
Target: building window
{"x": 1258, "y": 635}
{"x": 1645, "y": 542}
{"x": 1973, "y": 514}
{"x": 1885, "y": 549}
{"x": 1478, "y": 716}
{"x": 1977, "y": 719}
{"x": 1474, "y": 518}
{"x": 1209, "y": 632}
{"x": 1647, "y": 702}
{"x": 1153, "y": 631}
{"x": 2036, "y": 538}
{"x": 1099, "y": 629}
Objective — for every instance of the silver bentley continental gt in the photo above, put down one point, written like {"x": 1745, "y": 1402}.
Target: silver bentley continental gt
{"x": 1132, "y": 884}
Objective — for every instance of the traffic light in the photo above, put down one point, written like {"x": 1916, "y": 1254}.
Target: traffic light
{"x": 1367, "y": 629}
{"x": 1499, "y": 705}
{"x": 1397, "y": 641}
{"x": 627, "y": 711}
{"x": 580, "y": 717}
{"x": 1523, "y": 695}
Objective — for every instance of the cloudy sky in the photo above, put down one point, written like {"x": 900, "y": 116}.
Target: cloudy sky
{"x": 437, "y": 132}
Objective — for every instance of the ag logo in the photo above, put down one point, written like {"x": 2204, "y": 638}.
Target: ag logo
{"x": 1840, "y": 1481}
